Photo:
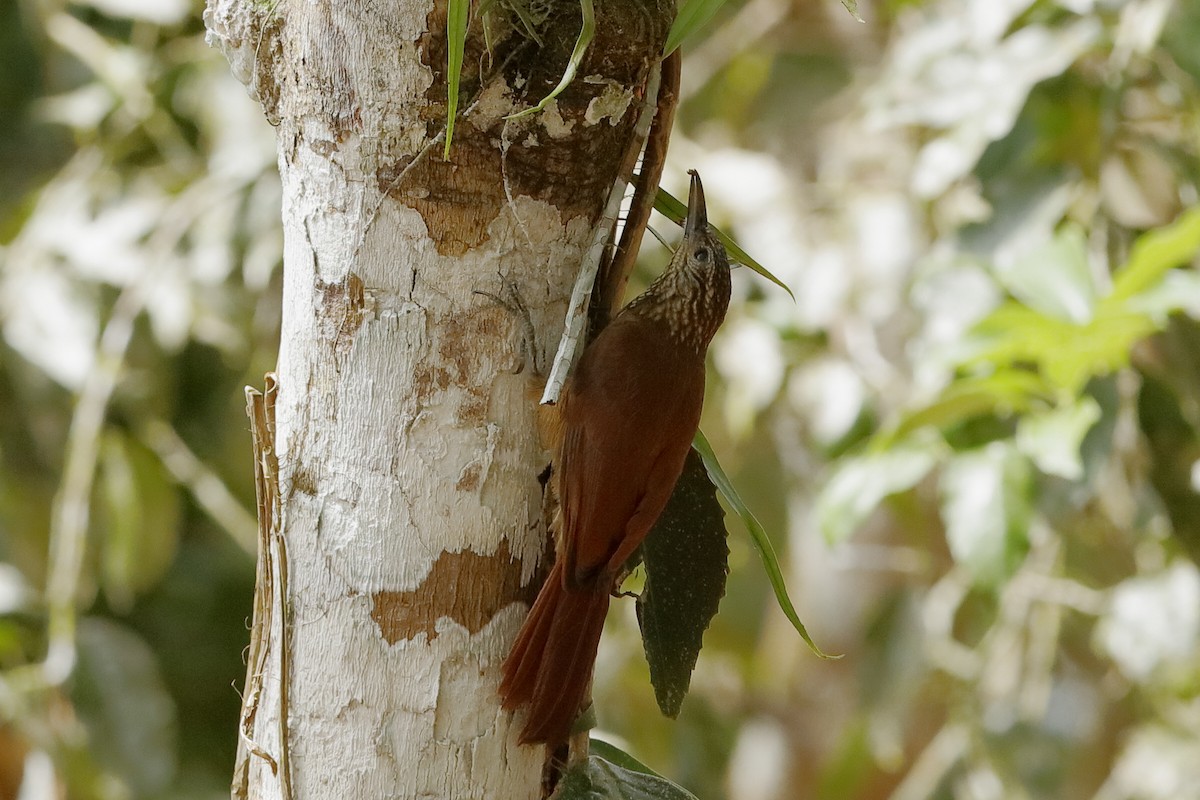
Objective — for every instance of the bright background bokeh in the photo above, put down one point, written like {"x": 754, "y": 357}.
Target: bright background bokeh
{"x": 974, "y": 436}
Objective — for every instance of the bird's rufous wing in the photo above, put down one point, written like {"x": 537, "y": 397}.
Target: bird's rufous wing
{"x": 631, "y": 413}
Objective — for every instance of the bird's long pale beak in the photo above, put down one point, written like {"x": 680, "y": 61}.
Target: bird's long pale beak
{"x": 697, "y": 214}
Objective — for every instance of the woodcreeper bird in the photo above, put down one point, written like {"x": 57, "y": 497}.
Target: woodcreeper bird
{"x": 628, "y": 414}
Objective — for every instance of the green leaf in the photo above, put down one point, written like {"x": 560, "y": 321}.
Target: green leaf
{"x": 610, "y": 752}
{"x": 525, "y": 15}
{"x": 692, "y": 16}
{"x": 1099, "y": 348}
{"x": 686, "y": 559}
{"x": 860, "y": 483}
{"x": 489, "y": 38}
{"x": 985, "y": 506}
{"x": 1052, "y": 439}
{"x": 1156, "y": 252}
{"x": 1178, "y": 291}
{"x": 586, "y": 33}
{"x": 758, "y": 536}
{"x": 1007, "y": 391}
{"x": 458, "y": 16}
{"x": 1015, "y": 333}
{"x": 1068, "y": 355}
{"x": 852, "y": 7}
{"x": 670, "y": 207}
{"x": 1052, "y": 328}
{"x": 599, "y": 779}
{"x": 124, "y": 704}
{"x": 1054, "y": 278}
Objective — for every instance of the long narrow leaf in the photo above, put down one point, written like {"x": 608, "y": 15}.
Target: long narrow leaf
{"x": 458, "y": 14}
{"x": 521, "y": 9}
{"x": 758, "y": 536}
{"x": 670, "y": 207}
{"x": 586, "y": 33}
{"x": 693, "y": 15}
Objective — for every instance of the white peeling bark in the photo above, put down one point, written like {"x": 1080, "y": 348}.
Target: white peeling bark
{"x": 410, "y": 502}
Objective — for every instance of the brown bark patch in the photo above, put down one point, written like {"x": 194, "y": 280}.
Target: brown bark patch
{"x": 461, "y": 335}
{"x": 473, "y": 409}
{"x": 466, "y": 587}
{"x": 459, "y": 349}
{"x": 328, "y": 80}
{"x": 342, "y": 310}
{"x": 304, "y": 481}
{"x": 428, "y": 380}
{"x": 468, "y": 479}
{"x": 266, "y": 31}
{"x": 459, "y": 198}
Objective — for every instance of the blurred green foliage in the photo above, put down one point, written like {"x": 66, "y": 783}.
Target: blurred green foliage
{"x": 973, "y": 436}
{"x": 140, "y": 246}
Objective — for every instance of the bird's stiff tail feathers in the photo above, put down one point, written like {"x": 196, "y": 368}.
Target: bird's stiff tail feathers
{"x": 550, "y": 667}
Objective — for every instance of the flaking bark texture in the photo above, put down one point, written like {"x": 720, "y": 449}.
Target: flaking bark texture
{"x": 408, "y": 463}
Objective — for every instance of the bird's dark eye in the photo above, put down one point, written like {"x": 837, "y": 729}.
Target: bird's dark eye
{"x": 701, "y": 254}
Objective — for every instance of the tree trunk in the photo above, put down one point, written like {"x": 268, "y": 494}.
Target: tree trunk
{"x": 408, "y": 466}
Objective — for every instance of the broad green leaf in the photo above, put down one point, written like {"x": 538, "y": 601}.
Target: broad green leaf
{"x": 860, "y": 483}
{"x": 1054, "y": 278}
{"x": 758, "y": 536}
{"x": 586, "y": 33}
{"x": 1008, "y": 391}
{"x": 599, "y": 779}
{"x": 985, "y": 506}
{"x": 673, "y": 209}
{"x": 1156, "y": 252}
{"x": 1052, "y": 438}
{"x": 125, "y": 706}
{"x": 692, "y": 16}
{"x": 610, "y": 752}
{"x": 1015, "y": 333}
{"x": 1178, "y": 291}
{"x": 1096, "y": 349}
{"x": 686, "y": 560}
{"x": 1052, "y": 331}
{"x": 458, "y": 16}
{"x": 1067, "y": 354}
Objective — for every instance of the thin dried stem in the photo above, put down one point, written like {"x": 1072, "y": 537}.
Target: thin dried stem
{"x": 270, "y": 597}
{"x": 577, "y": 312}
{"x": 615, "y": 273}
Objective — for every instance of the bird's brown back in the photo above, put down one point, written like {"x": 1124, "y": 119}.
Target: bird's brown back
{"x": 630, "y": 414}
